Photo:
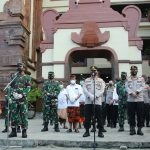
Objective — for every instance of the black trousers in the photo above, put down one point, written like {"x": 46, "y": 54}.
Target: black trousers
{"x": 89, "y": 113}
{"x": 146, "y": 113}
{"x": 135, "y": 112}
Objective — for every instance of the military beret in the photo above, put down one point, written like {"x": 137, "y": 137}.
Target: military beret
{"x": 134, "y": 68}
{"x": 51, "y": 73}
{"x": 123, "y": 73}
{"x": 20, "y": 65}
{"x": 93, "y": 68}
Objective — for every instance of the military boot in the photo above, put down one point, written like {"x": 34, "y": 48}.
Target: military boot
{"x": 100, "y": 134}
{"x": 87, "y": 133}
{"x": 132, "y": 131}
{"x": 45, "y": 127}
{"x": 56, "y": 128}
{"x": 24, "y": 133}
{"x": 139, "y": 132}
{"x": 5, "y": 130}
{"x": 13, "y": 133}
{"x": 121, "y": 129}
{"x": 18, "y": 129}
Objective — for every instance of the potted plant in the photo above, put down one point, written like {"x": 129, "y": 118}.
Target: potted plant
{"x": 34, "y": 95}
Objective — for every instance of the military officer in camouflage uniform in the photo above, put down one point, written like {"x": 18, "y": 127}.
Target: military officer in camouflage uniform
{"x": 93, "y": 88}
{"x": 19, "y": 107}
{"x": 50, "y": 92}
{"x": 9, "y": 97}
{"x": 135, "y": 86}
{"x": 122, "y": 100}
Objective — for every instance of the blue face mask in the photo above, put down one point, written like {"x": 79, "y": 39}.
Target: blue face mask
{"x": 81, "y": 82}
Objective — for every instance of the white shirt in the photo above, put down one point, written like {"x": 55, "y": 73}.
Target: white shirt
{"x": 115, "y": 97}
{"x": 74, "y": 91}
{"x": 62, "y": 99}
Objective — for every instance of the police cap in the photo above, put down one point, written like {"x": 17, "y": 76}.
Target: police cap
{"x": 93, "y": 68}
{"x": 134, "y": 68}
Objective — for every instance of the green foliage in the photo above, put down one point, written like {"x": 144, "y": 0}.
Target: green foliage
{"x": 34, "y": 94}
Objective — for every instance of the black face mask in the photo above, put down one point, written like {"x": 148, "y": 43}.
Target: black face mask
{"x": 123, "y": 77}
{"x": 51, "y": 77}
{"x": 20, "y": 69}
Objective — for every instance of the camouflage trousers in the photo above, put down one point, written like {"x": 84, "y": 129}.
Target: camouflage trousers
{"x": 121, "y": 113}
{"x": 19, "y": 114}
{"x": 50, "y": 114}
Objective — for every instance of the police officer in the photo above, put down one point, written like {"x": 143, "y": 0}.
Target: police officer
{"x": 20, "y": 88}
{"x": 135, "y": 86}
{"x": 50, "y": 92}
{"x": 94, "y": 89}
{"x": 122, "y": 93}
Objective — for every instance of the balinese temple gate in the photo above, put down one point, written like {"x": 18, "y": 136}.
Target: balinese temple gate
{"x": 91, "y": 29}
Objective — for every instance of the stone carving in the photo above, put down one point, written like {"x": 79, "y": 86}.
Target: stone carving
{"x": 90, "y": 35}
{"x": 131, "y": 12}
{"x": 14, "y": 8}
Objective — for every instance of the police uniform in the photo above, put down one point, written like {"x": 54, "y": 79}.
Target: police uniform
{"x": 93, "y": 88}
{"x": 135, "y": 103}
{"x": 50, "y": 91}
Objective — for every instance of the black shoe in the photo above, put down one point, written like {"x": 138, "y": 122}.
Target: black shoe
{"x": 139, "y": 132}
{"x": 132, "y": 131}
{"x": 44, "y": 129}
{"x": 86, "y": 134}
{"x": 93, "y": 130}
{"x": 121, "y": 129}
{"x": 147, "y": 125}
{"x": 69, "y": 130}
{"x": 13, "y": 133}
{"x": 103, "y": 130}
{"x": 108, "y": 125}
{"x": 18, "y": 129}
{"x": 24, "y": 133}
{"x": 56, "y": 128}
{"x": 5, "y": 130}
{"x": 76, "y": 130}
{"x": 100, "y": 134}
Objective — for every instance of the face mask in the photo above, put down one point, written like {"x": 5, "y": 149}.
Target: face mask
{"x": 134, "y": 72}
{"x": 51, "y": 77}
{"x": 72, "y": 81}
{"x": 81, "y": 82}
{"x": 20, "y": 69}
{"x": 61, "y": 86}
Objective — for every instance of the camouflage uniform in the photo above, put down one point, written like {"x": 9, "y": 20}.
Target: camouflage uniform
{"x": 19, "y": 107}
{"x": 8, "y": 97}
{"x": 122, "y": 93}
{"x": 50, "y": 92}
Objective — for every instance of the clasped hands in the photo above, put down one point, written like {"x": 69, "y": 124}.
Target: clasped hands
{"x": 17, "y": 96}
{"x": 91, "y": 97}
{"x": 72, "y": 101}
{"x": 135, "y": 94}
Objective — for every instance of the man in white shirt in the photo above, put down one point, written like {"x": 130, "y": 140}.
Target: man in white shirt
{"x": 74, "y": 91}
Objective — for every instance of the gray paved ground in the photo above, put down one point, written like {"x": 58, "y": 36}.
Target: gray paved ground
{"x": 36, "y": 138}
